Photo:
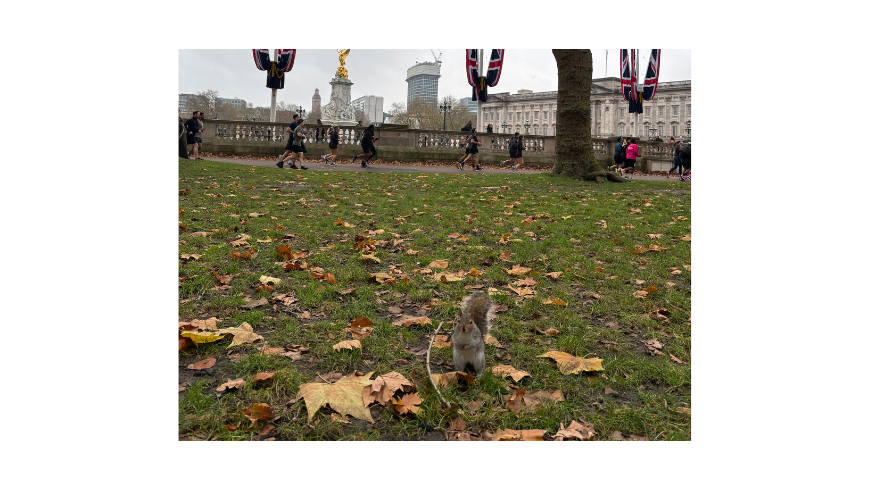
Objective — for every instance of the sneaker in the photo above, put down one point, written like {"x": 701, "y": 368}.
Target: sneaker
{"x": 293, "y": 166}
{"x": 303, "y": 167}
{"x": 353, "y": 159}
{"x": 461, "y": 165}
{"x": 323, "y": 157}
{"x": 280, "y": 164}
{"x": 458, "y": 165}
{"x": 332, "y": 164}
{"x": 363, "y": 165}
{"x": 477, "y": 169}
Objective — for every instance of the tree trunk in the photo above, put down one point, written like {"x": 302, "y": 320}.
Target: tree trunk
{"x": 182, "y": 140}
{"x": 574, "y": 155}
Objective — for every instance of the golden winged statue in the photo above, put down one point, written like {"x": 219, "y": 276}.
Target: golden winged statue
{"x": 342, "y": 55}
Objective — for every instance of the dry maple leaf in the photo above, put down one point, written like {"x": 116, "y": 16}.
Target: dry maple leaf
{"x": 576, "y": 430}
{"x": 550, "y": 332}
{"x": 203, "y": 364}
{"x": 258, "y": 412}
{"x": 438, "y": 264}
{"x": 640, "y": 294}
{"x": 442, "y": 341}
{"x": 505, "y": 256}
{"x": 344, "y": 396}
{"x": 407, "y": 320}
{"x": 407, "y": 403}
{"x": 413, "y": 252}
{"x": 232, "y": 384}
{"x": 370, "y": 257}
{"x": 569, "y": 364}
{"x": 360, "y": 328}
{"x": 264, "y": 378}
{"x": 474, "y": 272}
{"x": 675, "y": 359}
{"x": 385, "y": 387}
{"x": 453, "y": 377}
{"x": 348, "y": 344}
{"x": 517, "y": 270}
{"x": 243, "y": 334}
{"x": 447, "y": 277}
{"x": 190, "y": 256}
{"x": 554, "y": 275}
{"x": 528, "y": 281}
{"x": 382, "y": 278}
{"x": 505, "y": 370}
{"x": 270, "y": 280}
{"x": 489, "y": 339}
{"x": 518, "y": 435}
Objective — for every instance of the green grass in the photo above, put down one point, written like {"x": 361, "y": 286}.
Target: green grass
{"x": 602, "y": 319}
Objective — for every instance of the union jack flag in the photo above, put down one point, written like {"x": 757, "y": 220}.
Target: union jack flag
{"x": 276, "y": 69}
{"x": 471, "y": 65}
{"x": 493, "y": 72}
{"x": 652, "y": 75}
{"x": 624, "y": 74}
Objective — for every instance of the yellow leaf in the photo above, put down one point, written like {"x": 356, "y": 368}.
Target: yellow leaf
{"x": 266, "y": 280}
{"x": 243, "y": 334}
{"x": 439, "y": 264}
{"x": 407, "y": 403}
{"x": 370, "y": 257}
{"x": 202, "y": 337}
{"x": 348, "y": 344}
{"x": 517, "y": 270}
{"x": 569, "y": 364}
{"x": 344, "y": 396}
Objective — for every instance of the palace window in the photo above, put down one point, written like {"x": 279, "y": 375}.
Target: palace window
{"x": 554, "y": 119}
{"x": 661, "y": 130}
{"x": 545, "y": 129}
{"x": 674, "y": 130}
{"x": 689, "y": 108}
{"x": 622, "y": 130}
{"x": 536, "y": 130}
{"x": 545, "y": 115}
{"x": 676, "y": 110}
{"x": 621, "y": 112}
{"x": 661, "y": 111}
{"x": 536, "y": 115}
{"x": 510, "y": 116}
{"x": 599, "y": 130}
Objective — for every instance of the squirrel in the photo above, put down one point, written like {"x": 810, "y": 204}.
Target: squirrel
{"x": 473, "y": 326}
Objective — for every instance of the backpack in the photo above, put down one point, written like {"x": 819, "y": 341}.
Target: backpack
{"x": 686, "y": 153}
{"x": 512, "y": 145}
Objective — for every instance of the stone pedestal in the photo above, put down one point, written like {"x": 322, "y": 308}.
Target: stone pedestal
{"x": 339, "y": 109}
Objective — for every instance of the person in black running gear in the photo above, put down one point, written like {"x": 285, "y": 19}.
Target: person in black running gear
{"x": 368, "y": 139}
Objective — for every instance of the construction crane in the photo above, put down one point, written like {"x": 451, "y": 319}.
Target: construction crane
{"x": 437, "y": 58}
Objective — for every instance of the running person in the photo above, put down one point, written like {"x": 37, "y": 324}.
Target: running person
{"x": 512, "y": 149}
{"x": 287, "y": 150}
{"x": 686, "y": 158}
{"x": 617, "y": 156}
{"x": 297, "y": 151}
{"x": 333, "y": 146}
{"x": 631, "y": 154}
{"x": 678, "y": 163}
{"x": 519, "y": 158}
{"x": 471, "y": 151}
{"x": 368, "y": 138}
{"x": 474, "y": 142}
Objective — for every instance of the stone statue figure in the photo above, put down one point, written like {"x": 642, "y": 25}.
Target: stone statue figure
{"x": 342, "y": 55}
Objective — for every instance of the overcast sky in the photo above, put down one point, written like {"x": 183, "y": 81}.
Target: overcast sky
{"x": 382, "y": 72}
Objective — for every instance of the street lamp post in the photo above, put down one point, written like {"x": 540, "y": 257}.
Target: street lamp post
{"x": 527, "y": 126}
{"x": 301, "y": 112}
{"x": 444, "y": 109}
{"x": 689, "y": 128}
{"x": 504, "y": 126}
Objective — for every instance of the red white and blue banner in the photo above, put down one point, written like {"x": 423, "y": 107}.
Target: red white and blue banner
{"x": 276, "y": 69}
{"x": 473, "y": 69}
{"x": 471, "y": 65}
{"x": 624, "y": 74}
{"x": 493, "y": 72}
{"x": 652, "y": 75}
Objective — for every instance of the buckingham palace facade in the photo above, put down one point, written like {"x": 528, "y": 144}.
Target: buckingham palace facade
{"x": 668, "y": 113}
